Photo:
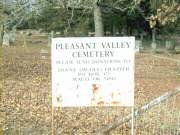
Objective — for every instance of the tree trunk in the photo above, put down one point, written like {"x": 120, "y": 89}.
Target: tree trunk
{"x": 153, "y": 44}
{"x": 98, "y": 21}
{"x": 154, "y": 35}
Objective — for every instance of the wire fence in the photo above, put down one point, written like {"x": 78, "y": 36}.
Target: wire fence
{"x": 25, "y": 106}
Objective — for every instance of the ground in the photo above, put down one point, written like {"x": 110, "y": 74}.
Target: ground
{"x": 26, "y": 96}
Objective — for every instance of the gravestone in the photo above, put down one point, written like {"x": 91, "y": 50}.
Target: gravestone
{"x": 50, "y": 36}
{"x": 170, "y": 46}
{"x": 138, "y": 46}
{"x": 6, "y": 39}
{"x": 12, "y": 37}
{"x": 23, "y": 33}
{"x": 40, "y": 31}
{"x": 117, "y": 34}
{"x": 43, "y": 53}
{"x": 154, "y": 46}
{"x": 107, "y": 33}
{"x": 58, "y": 33}
{"x": 91, "y": 34}
{"x": 123, "y": 31}
{"x": 29, "y": 33}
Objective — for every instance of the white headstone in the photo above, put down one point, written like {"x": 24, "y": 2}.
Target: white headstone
{"x": 43, "y": 53}
{"x": 5, "y": 39}
{"x": 11, "y": 38}
{"x": 50, "y": 36}
{"x": 137, "y": 46}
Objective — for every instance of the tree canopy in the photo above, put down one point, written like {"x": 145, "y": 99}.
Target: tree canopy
{"x": 80, "y": 16}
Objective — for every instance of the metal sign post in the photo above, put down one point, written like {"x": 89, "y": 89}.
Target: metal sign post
{"x": 132, "y": 121}
{"x": 52, "y": 121}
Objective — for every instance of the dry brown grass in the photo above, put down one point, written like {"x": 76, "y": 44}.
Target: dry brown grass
{"x": 26, "y": 98}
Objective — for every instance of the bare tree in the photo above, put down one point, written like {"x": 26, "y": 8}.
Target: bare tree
{"x": 98, "y": 20}
{"x": 96, "y": 7}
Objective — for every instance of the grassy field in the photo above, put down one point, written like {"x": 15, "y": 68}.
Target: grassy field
{"x": 26, "y": 97}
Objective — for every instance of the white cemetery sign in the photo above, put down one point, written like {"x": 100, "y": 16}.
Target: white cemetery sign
{"x": 93, "y": 71}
